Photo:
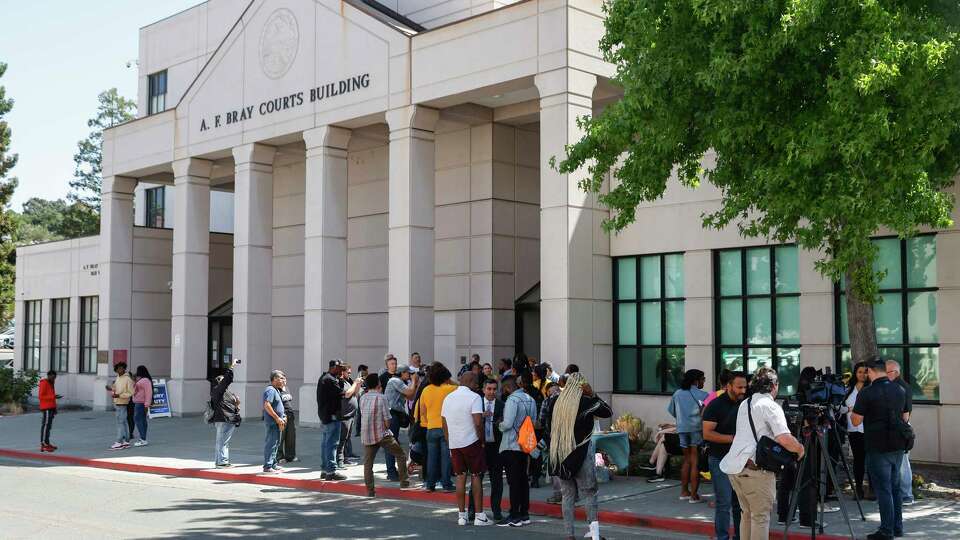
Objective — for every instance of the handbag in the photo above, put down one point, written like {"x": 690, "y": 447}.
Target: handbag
{"x": 771, "y": 455}
{"x": 403, "y": 419}
{"x": 418, "y": 433}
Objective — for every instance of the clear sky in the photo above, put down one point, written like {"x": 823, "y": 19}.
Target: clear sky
{"x": 60, "y": 55}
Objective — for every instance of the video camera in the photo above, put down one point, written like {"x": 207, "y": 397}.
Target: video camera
{"x": 825, "y": 389}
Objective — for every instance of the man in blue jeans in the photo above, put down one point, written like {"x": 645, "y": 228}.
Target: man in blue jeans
{"x": 906, "y": 472}
{"x": 882, "y": 408}
{"x": 330, "y": 396}
{"x": 275, "y": 421}
{"x": 719, "y": 427}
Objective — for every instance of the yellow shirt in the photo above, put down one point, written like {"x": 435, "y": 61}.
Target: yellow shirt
{"x": 431, "y": 403}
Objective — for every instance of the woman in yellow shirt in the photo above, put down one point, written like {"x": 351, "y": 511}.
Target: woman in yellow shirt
{"x": 428, "y": 413}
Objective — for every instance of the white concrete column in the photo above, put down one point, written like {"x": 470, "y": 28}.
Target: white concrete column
{"x": 411, "y": 192}
{"x": 325, "y": 260}
{"x": 116, "y": 277}
{"x": 252, "y": 273}
{"x": 189, "y": 390}
{"x": 575, "y": 273}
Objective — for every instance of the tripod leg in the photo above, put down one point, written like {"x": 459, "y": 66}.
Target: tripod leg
{"x": 798, "y": 485}
{"x": 846, "y": 469}
{"x": 836, "y": 486}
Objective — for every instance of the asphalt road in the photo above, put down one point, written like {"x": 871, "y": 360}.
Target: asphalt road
{"x": 45, "y": 501}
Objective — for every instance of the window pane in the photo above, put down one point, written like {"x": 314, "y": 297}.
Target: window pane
{"x": 888, "y": 258}
{"x": 650, "y": 277}
{"x": 673, "y": 268}
{"x": 731, "y": 321}
{"x": 626, "y": 279}
{"x": 786, "y": 269}
{"x": 627, "y": 324}
{"x": 788, "y": 320}
{"x": 925, "y": 373}
{"x": 731, "y": 359}
{"x": 888, "y": 317}
{"x": 675, "y": 368}
{"x": 674, "y": 315}
{"x": 788, "y": 369}
{"x": 652, "y": 367}
{"x": 922, "y": 262}
{"x": 758, "y": 271}
{"x": 844, "y": 328}
{"x": 650, "y": 323}
{"x": 626, "y": 370}
{"x": 846, "y": 363}
{"x": 730, "y": 276}
{"x": 758, "y": 321}
{"x": 757, "y": 358}
{"x": 922, "y": 317}
{"x": 891, "y": 353}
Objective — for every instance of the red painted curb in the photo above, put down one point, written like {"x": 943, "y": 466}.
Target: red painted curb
{"x": 687, "y": 526}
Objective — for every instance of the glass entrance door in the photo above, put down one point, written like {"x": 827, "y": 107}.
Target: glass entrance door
{"x": 220, "y": 346}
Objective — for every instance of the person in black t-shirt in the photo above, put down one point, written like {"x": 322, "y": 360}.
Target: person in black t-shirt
{"x": 881, "y": 407}
{"x": 719, "y": 427}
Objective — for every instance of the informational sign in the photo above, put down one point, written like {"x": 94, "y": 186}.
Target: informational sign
{"x": 161, "y": 400}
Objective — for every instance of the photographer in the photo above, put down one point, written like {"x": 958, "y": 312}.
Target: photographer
{"x": 882, "y": 410}
{"x": 226, "y": 415}
{"x": 755, "y": 486}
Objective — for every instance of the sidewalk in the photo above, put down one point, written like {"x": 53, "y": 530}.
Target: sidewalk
{"x": 184, "y": 447}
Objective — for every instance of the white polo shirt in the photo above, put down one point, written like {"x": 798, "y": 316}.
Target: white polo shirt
{"x": 769, "y": 420}
{"x": 458, "y": 409}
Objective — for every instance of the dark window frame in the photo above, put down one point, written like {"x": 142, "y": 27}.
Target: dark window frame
{"x": 639, "y": 347}
{"x": 154, "y": 207}
{"x": 33, "y": 316}
{"x": 89, "y": 325}
{"x": 156, "y": 92}
{"x": 60, "y": 334}
{"x": 904, "y": 291}
{"x": 744, "y": 296}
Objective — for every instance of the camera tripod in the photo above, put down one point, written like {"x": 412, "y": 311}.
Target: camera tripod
{"x": 815, "y": 444}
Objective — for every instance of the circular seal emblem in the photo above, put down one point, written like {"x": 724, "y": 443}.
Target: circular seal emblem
{"x": 279, "y": 43}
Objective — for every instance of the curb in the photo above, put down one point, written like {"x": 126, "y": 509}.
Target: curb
{"x": 629, "y": 519}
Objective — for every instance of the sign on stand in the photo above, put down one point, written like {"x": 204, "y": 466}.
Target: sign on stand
{"x": 161, "y": 400}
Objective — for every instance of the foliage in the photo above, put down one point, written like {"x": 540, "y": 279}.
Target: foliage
{"x": 42, "y": 220}
{"x": 637, "y": 432}
{"x": 7, "y": 219}
{"x": 820, "y": 121}
{"x": 15, "y": 387}
{"x": 112, "y": 109}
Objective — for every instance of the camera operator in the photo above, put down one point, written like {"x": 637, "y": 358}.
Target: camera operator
{"x": 882, "y": 409}
{"x": 754, "y": 486}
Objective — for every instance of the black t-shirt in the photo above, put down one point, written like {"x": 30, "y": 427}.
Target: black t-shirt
{"x": 385, "y": 377}
{"x": 879, "y": 403}
{"x": 723, "y": 411}
{"x": 909, "y": 393}
{"x": 329, "y": 395}
{"x": 348, "y": 406}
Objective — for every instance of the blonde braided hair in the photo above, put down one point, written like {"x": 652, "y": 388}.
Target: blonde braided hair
{"x": 562, "y": 439}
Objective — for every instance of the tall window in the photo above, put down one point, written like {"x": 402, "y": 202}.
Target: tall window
{"x": 648, "y": 323}
{"x": 154, "y": 202}
{"x": 157, "y": 92}
{"x": 31, "y": 334}
{"x": 89, "y": 314}
{"x": 906, "y": 316}
{"x": 758, "y": 311}
{"x": 59, "y": 334}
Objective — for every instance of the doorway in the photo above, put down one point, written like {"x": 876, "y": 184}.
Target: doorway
{"x": 527, "y": 322}
{"x": 219, "y": 339}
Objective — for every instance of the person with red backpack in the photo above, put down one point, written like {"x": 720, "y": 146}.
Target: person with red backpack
{"x": 48, "y": 408}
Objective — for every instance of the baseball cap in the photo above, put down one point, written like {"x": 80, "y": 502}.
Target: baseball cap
{"x": 336, "y": 362}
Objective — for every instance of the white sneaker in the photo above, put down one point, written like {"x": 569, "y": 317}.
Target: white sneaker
{"x": 481, "y": 520}
{"x": 593, "y": 531}
{"x": 461, "y": 518}
{"x": 116, "y": 446}
{"x": 141, "y": 442}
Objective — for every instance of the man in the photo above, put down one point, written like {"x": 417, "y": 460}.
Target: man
{"x": 390, "y": 361}
{"x": 287, "y": 449}
{"x": 274, "y": 419}
{"x": 879, "y": 408}
{"x": 48, "y": 409}
{"x": 906, "y": 472}
{"x": 492, "y": 416}
{"x": 754, "y": 486}
{"x": 462, "y": 414}
{"x": 552, "y": 375}
{"x": 362, "y": 372}
{"x": 375, "y": 434}
{"x": 416, "y": 364}
{"x": 121, "y": 391}
{"x": 329, "y": 402}
{"x": 397, "y": 391}
{"x": 226, "y": 415}
{"x": 348, "y": 412}
{"x": 719, "y": 427}
{"x": 571, "y": 450}
{"x": 516, "y": 408}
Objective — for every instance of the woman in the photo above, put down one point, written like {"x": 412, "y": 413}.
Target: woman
{"x": 428, "y": 413}
{"x": 226, "y": 416}
{"x": 540, "y": 382}
{"x": 488, "y": 373}
{"x": 142, "y": 399}
{"x": 686, "y": 406}
{"x": 859, "y": 380}
{"x": 287, "y": 451}
{"x": 48, "y": 409}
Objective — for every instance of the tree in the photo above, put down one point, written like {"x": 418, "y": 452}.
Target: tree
{"x": 112, "y": 109}
{"x": 7, "y": 220}
{"x": 43, "y": 221}
{"x": 830, "y": 120}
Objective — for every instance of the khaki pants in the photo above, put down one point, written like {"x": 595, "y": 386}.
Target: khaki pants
{"x": 389, "y": 444}
{"x": 755, "y": 491}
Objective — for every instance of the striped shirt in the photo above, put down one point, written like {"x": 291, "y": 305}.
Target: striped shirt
{"x": 374, "y": 418}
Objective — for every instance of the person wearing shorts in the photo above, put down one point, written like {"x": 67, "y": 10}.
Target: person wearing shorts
{"x": 462, "y": 414}
{"x": 686, "y": 406}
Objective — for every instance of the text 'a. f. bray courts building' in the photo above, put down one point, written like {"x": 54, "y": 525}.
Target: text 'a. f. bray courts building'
{"x": 313, "y": 179}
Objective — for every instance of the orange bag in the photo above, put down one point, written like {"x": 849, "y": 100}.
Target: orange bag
{"x": 526, "y": 437}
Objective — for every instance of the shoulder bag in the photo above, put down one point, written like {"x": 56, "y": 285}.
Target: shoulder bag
{"x": 771, "y": 455}
{"x": 901, "y": 428}
{"x": 417, "y": 433}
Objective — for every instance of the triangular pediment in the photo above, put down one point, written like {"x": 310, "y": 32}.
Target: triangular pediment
{"x": 290, "y": 65}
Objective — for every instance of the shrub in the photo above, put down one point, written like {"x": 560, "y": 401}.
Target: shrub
{"x": 15, "y": 387}
{"x": 637, "y": 432}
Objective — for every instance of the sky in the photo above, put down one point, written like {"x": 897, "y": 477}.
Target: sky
{"x": 60, "y": 54}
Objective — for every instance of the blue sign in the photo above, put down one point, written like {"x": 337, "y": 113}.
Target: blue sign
{"x": 161, "y": 401}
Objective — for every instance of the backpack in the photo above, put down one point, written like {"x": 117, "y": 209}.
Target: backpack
{"x": 526, "y": 436}
{"x": 208, "y": 413}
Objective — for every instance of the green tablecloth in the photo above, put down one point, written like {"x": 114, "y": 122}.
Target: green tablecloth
{"x": 616, "y": 445}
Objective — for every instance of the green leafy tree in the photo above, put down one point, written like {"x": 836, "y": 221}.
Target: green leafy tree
{"x": 7, "y": 219}
{"x": 112, "y": 109}
{"x": 829, "y": 119}
{"x": 43, "y": 221}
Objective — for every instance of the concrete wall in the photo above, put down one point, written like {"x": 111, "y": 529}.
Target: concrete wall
{"x": 434, "y": 13}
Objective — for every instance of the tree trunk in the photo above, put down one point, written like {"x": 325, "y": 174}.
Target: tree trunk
{"x": 860, "y": 323}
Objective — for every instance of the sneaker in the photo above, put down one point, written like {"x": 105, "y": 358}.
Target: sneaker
{"x": 656, "y": 479}
{"x": 224, "y": 465}
{"x": 450, "y": 489}
{"x": 271, "y": 471}
{"x": 393, "y": 478}
{"x": 481, "y": 520}
{"x": 293, "y": 460}
{"x": 117, "y": 446}
{"x": 525, "y": 520}
{"x": 518, "y": 523}
{"x": 140, "y": 443}
{"x": 334, "y": 476}
{"x": 509, "y": 522}
{"x": 694, "y": 499}
{"x": 461, "y": 518}
{"x": 405, "y": 484}
{"x": 126, "y": 444}
{"x": 782, "y": 522}
{"x": 554, "y": 499}
{"x": 281, "y": 461}
{"x": 908, "y": 502}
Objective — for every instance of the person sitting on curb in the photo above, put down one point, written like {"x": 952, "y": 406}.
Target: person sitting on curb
{"x": 375, "y": 434}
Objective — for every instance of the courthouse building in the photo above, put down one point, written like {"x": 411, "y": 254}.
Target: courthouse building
{"x": 314, "y": 179}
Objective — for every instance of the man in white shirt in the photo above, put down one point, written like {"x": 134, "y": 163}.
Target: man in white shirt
{"x": 754, "y": 486}
{"x": 462, "y": 414}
